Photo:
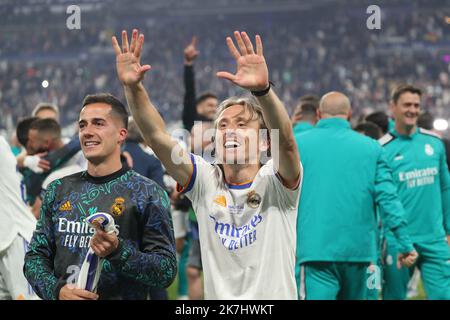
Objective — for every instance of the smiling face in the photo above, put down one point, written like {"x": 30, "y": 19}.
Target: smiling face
{"x": 237, "y": 136}
{"x": 406, "y": 110}
{"x": 101, "y": 134}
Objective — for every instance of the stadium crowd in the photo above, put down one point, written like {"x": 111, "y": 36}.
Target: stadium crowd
{"x": 321, "y": 51}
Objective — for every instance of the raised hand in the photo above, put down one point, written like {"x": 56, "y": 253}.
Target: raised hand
{"x": 129, "y": 69}
{"x": 251, "y": 70}
{"x": 191, "y": 52}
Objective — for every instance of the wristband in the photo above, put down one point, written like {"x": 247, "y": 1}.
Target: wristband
{"x": 262, "y": 92}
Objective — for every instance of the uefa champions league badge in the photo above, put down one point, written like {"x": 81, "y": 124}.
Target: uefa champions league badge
{"x": 253, "y": 199}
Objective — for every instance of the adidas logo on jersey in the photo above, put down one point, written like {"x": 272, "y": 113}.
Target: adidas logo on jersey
{"x": 221, "y": 201}
{"x": 66, "y": 206}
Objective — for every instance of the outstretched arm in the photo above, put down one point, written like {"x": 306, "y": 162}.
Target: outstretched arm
{"x": 252, "y": 74}
{"x": 130, "y": 73}
{"x": 392, "y": 211}
{"x": 189, "y": 114}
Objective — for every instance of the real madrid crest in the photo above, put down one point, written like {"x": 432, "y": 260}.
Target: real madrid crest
{"x": 429, "y": 150}
{"x": 118, "y": 207}
{"x": 253, "y": 199}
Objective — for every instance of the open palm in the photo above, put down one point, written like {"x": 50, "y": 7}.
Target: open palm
{"x": 251, "y": 70}
{"x": 129, "y": 69}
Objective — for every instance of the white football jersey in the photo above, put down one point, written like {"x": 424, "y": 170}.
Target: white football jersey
{"x": 15, "y": 216}
{"x": 247, "y": 233}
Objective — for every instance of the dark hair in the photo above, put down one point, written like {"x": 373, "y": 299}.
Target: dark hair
{"x": 310, "y": 98}
{"x": 379, "y": 118}
{"x": 307, "y": 105}
{"x": 402, "y": 89}
{"x": 47, "y": 125}
{"x": 369, "y": 129}
{"x": 23, "y": 126}
{"x": 309, "y": 108}
{"x": 426, "y": 120}
{"x": 205, "y": 96}
{"x": 117, "y": 107}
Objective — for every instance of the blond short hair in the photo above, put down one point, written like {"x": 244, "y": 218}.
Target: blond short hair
{"x": 45, "y": 106}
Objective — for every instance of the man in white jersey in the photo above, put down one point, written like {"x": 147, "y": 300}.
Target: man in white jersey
{"x": 246, "y": 211}
{"x": 17, "y": 224}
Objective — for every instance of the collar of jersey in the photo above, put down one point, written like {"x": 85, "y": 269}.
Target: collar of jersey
{"x": 404, "y": 136}
{"x": 302, "y": 126}
{"x": 107, "y": 178}
{"x": 244, "y": 185}
{"x": 333, "y": 123}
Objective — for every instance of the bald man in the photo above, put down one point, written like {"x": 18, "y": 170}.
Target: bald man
{"x": 346, "y": 179}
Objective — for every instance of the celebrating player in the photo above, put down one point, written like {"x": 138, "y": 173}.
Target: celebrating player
{"x": 16, "y": 228}
{"x": 246, "y": 211}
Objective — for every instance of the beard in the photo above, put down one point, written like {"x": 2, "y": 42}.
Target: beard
{"x": 39, "y": 150}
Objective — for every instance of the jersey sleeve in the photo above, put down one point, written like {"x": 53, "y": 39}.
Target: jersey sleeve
{"x": 288, "y": 198}
{"x": 389, "y": 204}
{"x": 445, "y": 190}
{"x": 189, "y": 113}
{"x": 39, "y": 260}
{"x": 154, "y": 262}
{"x": 203, "y": 176}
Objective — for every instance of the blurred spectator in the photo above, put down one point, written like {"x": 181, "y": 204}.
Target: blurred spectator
{"x": 369, "y": 129}
{"x": 46, "y": 110}
{"x": 309, "y": 50}
{"x": 426, "y": 121}
{"x": 305, "y": 113}
{"x": 380, "y": 119}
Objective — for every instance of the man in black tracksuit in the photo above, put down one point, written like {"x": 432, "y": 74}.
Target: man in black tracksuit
{"x": 142, "y": 255}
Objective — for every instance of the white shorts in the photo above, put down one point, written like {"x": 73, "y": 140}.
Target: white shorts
{"x": 13, "y": 284}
